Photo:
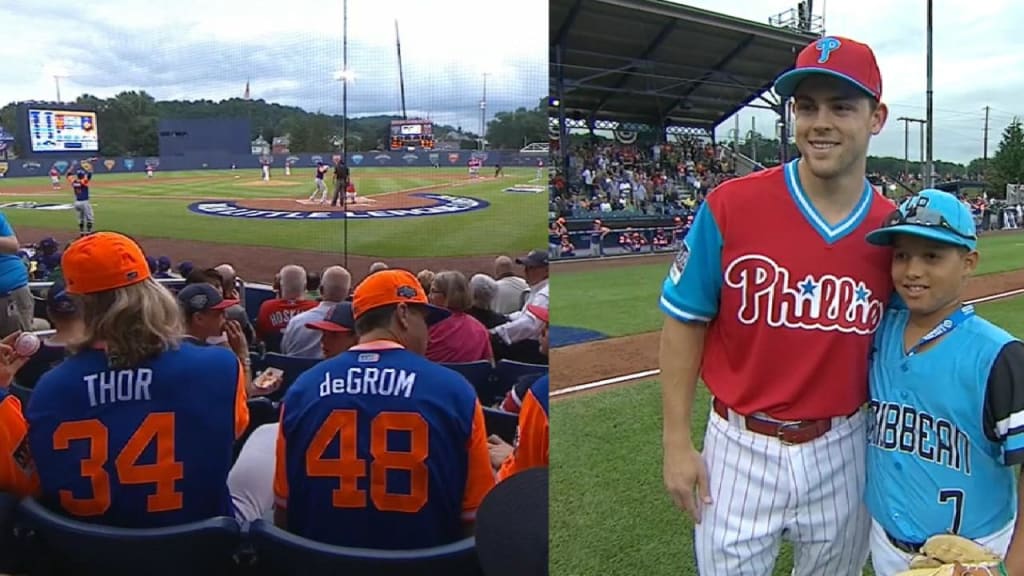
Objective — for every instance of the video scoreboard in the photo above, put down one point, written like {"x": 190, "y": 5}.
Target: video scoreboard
{"x": 412, "y": 133}
{"x": 52, "y": 130}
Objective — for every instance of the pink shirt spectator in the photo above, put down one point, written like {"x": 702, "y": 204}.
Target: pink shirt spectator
{"x": 459, "y": 338}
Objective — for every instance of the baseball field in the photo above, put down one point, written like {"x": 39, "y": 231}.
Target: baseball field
{"x": 411, "y": 217}
{"x": 609, "y": 510}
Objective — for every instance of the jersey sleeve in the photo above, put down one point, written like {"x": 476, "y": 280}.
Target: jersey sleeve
{"x": 1004, "y": 402}
{"x": 18, "y": 470}
{"x": 531, "y": 449}
{"x": 5, "y": 227}
{"x": 479, "y": 475}
{"x": 281, "y": 468}
{"x": 691, "y": 291}
{"x": 241, "y": 402}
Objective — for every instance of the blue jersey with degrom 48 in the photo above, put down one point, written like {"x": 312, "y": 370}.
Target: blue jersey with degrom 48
{"x": 941, "y": 451}
{"x": 381, "y": 448}
{"x": 142, "y": 447}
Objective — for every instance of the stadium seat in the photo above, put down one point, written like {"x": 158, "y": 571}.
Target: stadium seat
{"x": 281, "y": 553}
{"x": 508, "y": 372}
{"x": 61, "y": 545}
{"x": 478, "y": 373}
{"x": 292, "y": 367}
{"x": 256, "y": 295}
{"x": 12, "y": 550}
{"x": 261, "y": 411}
{"x": 502, "y": 423}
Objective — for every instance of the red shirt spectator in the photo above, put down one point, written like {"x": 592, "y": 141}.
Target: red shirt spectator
{"x": 274, "y": 315}
{"x": 459, "y": 338}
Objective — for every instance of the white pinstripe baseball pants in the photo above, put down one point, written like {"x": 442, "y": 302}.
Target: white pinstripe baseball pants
{"x": 763, "y": 491}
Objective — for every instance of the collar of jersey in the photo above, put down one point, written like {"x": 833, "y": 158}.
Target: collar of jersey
{"x": 830, "y": 234}
{"x": 377, "y": 345}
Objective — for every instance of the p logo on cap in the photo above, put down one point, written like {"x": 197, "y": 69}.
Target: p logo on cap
{"x": 826, "y": 46}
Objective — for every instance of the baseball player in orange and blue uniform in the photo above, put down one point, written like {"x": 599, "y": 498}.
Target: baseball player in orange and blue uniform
{"x": 778, "y": 322}
{"x": 379, "y": 447}
{"x": 80, "y": 185}
{"x": 136, "y": 428}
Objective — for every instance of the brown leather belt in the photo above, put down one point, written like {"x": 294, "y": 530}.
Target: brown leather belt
{"x": 798, "y": 432}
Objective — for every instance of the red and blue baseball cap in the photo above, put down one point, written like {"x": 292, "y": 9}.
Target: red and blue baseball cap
{"x": 338, "y": 319}
{"x": 932, "y": 214}
{"x": 838, "y": 57}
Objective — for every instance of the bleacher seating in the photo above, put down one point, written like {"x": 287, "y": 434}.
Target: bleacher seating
{"x": 508, "y": 372}
{"x": 57, "y": 544}
{"x": 502, "y": 423}
{"x": 478, "y": 373}
{"x": 281, "y": 553}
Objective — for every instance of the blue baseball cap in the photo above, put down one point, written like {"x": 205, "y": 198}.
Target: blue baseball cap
{"x": 931, "y": 214}
{"x": 58, "y": 299}
{"x": 338, "y": 319}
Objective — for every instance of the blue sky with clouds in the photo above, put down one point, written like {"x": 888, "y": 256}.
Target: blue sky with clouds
{"x": 192, "y": 49}
{"x": 972, "y": 67}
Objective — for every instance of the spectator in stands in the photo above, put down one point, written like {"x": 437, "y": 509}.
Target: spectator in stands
{"x": 185, "y": 268}
{"x": 517, "y": 339}
{"x": 229, "y": 289}
{"x": 130, "y": 386}
{"x": 298, "y": 339}
{"x": 531, "y": 446}
{"x": 426, "y": 278}
{"x": 17, "y": 471}
{"x": 378, "y": 266}
{"x": 16, "y": 305}
{"x": 459, "y": 337}
{"x": 312, "y": 285}
{"x": 482, "y": 290}
{"x": 163, "y": 268}
{"x": 438, "y": 417}
{"x": 512, "y": 290}
{"x": 274, "y": 314}
{"x": 47, "y": 259}
{"x": 338, "y": 330}
{"x": 66, "y": 319}
{"x": 513, "y": 401}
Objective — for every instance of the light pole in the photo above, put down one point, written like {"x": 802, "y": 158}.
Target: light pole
{"x": 483, "y": 112}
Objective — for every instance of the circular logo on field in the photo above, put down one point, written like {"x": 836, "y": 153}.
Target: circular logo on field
{"x": 436, "y": 205}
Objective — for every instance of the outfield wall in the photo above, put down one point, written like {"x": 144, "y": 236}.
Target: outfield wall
{"x": 213, "y": 160}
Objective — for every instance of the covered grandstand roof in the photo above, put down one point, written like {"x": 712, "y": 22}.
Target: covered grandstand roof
{"x": 652, "y": 60}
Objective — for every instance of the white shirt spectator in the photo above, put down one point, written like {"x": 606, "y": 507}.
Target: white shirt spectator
{"x": 509, "y": 297}
{"x": 523, "y": 325}
{"x": 300, "y": 341}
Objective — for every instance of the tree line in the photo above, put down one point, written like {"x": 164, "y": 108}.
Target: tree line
{"x": 128, "y": 124}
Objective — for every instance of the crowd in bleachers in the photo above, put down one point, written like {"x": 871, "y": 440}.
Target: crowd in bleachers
{"x": 245, "y": 368}
{"x": 606, "y": 180}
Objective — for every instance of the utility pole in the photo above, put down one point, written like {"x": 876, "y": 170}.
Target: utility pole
{"x": 984, "y": 150}
{"x": 906, "y": 142}
{"x": 929, "y": 170}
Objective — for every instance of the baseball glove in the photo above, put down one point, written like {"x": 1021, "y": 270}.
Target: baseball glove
{"x": 952, "y": 555}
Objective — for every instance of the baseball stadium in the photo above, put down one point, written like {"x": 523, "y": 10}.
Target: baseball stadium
{"x": 637, "y": 134}
{"x": 232, "y": 239}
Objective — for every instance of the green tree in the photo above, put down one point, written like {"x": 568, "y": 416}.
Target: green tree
{"x": 513, "y": 130}
{"x": 1008, "y": 163}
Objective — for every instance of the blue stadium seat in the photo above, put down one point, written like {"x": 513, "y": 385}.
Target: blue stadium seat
{"x": 61, "y": 545}
{"x": 281, "y": 553}
{"x": 292, "y": 367}
{"x": 508, "y": 372}
{"x": 478, "y": 373}
{"x": 502, "y": 423}
{"x": 261, "y": 411}
{"x": 255, "y": 295}
{"x": 12, "y": 550}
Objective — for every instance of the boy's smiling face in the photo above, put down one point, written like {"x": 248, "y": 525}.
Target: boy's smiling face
{"x": 929, "y": 275}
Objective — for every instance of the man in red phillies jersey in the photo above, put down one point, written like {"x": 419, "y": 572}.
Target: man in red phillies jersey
{"x": 778, "y": 321}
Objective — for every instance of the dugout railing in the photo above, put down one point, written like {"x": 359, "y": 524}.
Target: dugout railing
{"x": 618, "y": 242}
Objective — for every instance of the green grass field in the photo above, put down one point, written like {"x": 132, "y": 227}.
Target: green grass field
{"x": 627, "y": 298}
{"x": 158, "y": 208}
{"x": 609, "y": 513}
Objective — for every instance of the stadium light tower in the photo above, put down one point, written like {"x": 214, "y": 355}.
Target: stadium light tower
{"x": 483, "y": 112}
{"x": 57, "y": 71}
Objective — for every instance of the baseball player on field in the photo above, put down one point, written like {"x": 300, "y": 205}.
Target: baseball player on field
{"x": 378, "y": 446}
{"x": 778, "y": 323}
{"x": 946, "y": 397}
{"x": 321, "y": 186}
{"x": 80, "y": 185}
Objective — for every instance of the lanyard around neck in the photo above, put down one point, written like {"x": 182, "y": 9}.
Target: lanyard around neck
{"x": 948, "y": 325}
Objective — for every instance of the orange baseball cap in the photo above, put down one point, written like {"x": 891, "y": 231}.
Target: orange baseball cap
{"x": 393, "y": 286}
{"x": 103, "y": 261}
{"x": 539, "y": 311}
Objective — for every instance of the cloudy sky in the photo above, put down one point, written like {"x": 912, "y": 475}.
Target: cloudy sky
{"x": 971, "y": 66}
{"x": 192, "y": 49}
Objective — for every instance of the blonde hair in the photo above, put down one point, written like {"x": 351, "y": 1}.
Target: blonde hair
{"x": 426, "y": 278}
{"x": 134, "y": 323}
{"x": 455, "y": 288}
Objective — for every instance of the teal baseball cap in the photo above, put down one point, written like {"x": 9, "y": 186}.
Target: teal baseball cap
{"x": 931, "y": 214}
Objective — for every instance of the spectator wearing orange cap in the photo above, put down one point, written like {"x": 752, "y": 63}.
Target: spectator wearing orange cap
{"x": 413, "y": 466}
{"x": 134, "y": 393}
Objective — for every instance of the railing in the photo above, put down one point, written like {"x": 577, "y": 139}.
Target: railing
{"x": 612, "y": 244}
